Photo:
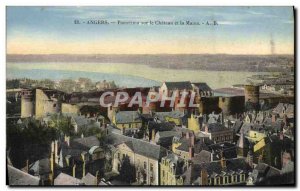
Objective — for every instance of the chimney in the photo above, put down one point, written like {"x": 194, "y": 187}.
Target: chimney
{"x": 27, "y": 166}
{"x": 153, "y": 135}
{"x": 52, "y": 163}
{"x": 83, "y": 169}
{"x": 203, "y": 176}
{"x": 74, "y": 170}
{"x": 67, "y": 140}
{"x": 206, "y": 128}
{"x": 285, "y": 120}
{"x": 250, "y": 159}
{"x": 281, "y": 136}
{"x": 193, "y": 140}
{"x": 56, "y": 151}
{"x": 187, "y": 135}
{"x": 274, "y": 118}
{"x": 223, "y": 161}
{"x": 191, "y": 152}
{"x": 98, "y": 179}
{"x": 260, "y": 159}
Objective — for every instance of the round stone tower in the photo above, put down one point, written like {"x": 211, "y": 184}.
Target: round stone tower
{"x": 251, "y": 97}
{"x": 27, "y": 103}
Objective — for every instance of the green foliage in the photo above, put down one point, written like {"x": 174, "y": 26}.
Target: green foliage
{"x": 29, "y": 141}
{"x": 62, "y": 124}
{"x": 127, "y": 171}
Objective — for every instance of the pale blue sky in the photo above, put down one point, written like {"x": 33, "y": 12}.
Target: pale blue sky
{"x": 241, "y": 30}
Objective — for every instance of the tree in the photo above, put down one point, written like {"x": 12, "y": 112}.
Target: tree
{"x": 61, "y": 123}
{"x": 127, "y": 171}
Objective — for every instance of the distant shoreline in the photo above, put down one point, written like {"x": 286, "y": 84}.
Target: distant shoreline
{"x": 204, "y": 62}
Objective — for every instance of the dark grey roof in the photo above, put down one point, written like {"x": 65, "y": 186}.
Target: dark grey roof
{"x": 166, "y": 134}
{"x": 174, "y": 114}
{"x": 85, "y": 143}
{"x": 17, "y": 177}
{"x": 179, "y": 85}
{"x": 163, "y": 126}
{"x": 89, "y": 179}
{"x": 138, "y": 146}
{"x": 203, "y": 156}
{"x": 40, "y": 167}
{"x": 237, "y": 126}
{"x": 263, "y": 171}
{"x": 216, "y": 127}
{"x": 128, "y": 117}
{"x": 202, "y": 86}
{"x": 214, "y": 168}
{"x": 65, "y": 179}
{"x": 288, "y": 108}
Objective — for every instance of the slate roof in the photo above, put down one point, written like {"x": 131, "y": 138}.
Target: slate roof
{"x": 176, "y": 161}
{"x": 65, "y": 179}
{"x": 289, "y": 109}
{"x": 167, "y": 134}
{"x": 203, "y": 156}
{"x": 174, "y": 114}
{"x": 263, "y": 171}
{"x": 17, "y": 177}
{"x": 179, "y": 85}
{"x": 163, "y": 126}
{"x": 237, "y": 126}
{"x": 128, "y": 117}
{"x": 85, "y": 143}
{"x": 40, "y": 167}
{"x": 138, "y": 146}
{"x": 214, "y": 168}
{"x": 202, "y": 86}
{"x": 216, "y": 127}
{"x": 89, "y": 179}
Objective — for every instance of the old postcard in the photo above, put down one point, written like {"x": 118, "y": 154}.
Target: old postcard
{"x": 150, "y": 96}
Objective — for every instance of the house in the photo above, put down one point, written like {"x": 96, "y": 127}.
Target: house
{"x": 127, "y": 119}
{"x": 283, "y": 109}
{"x": 82, "y": 123}
{"x": 168, "y": 88}
{"x": 217, "y": 173}
{"x": 165, "y": 138}
{"x": 17, "y": 177}
{"x": 218, "y": 132}
{"x": 143, "y": 156}
{"x": 156, "y": 126}
{"x": 81, "y": 156}
{"x": 40, "y": 169}
{"x": 264, "y": 174}
{"x": 202, "y": 89}
{"x": 173, "y": 91}
{"x": 177, "y": 117}
{"x": 171, "y": 167}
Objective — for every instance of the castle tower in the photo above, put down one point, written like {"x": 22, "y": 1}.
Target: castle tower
{"x": 251, "y": 97}
{"x": 27, "y": 103}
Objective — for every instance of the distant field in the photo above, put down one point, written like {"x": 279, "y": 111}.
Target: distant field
{"x": 216, "y": 79}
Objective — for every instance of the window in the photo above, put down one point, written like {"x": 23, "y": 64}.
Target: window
{"x": 145, "y": 165}
{"x": 119, "y": 156}
{"x": 217, "y": 181}
{"x": 151, "y": 167}
{"x": 54, "y": 105}
{"x": 163, "y": 173}
{"x": 225, "y": 180}
{"x": 234, "y": 178}
{"x": 242, "y": 177}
